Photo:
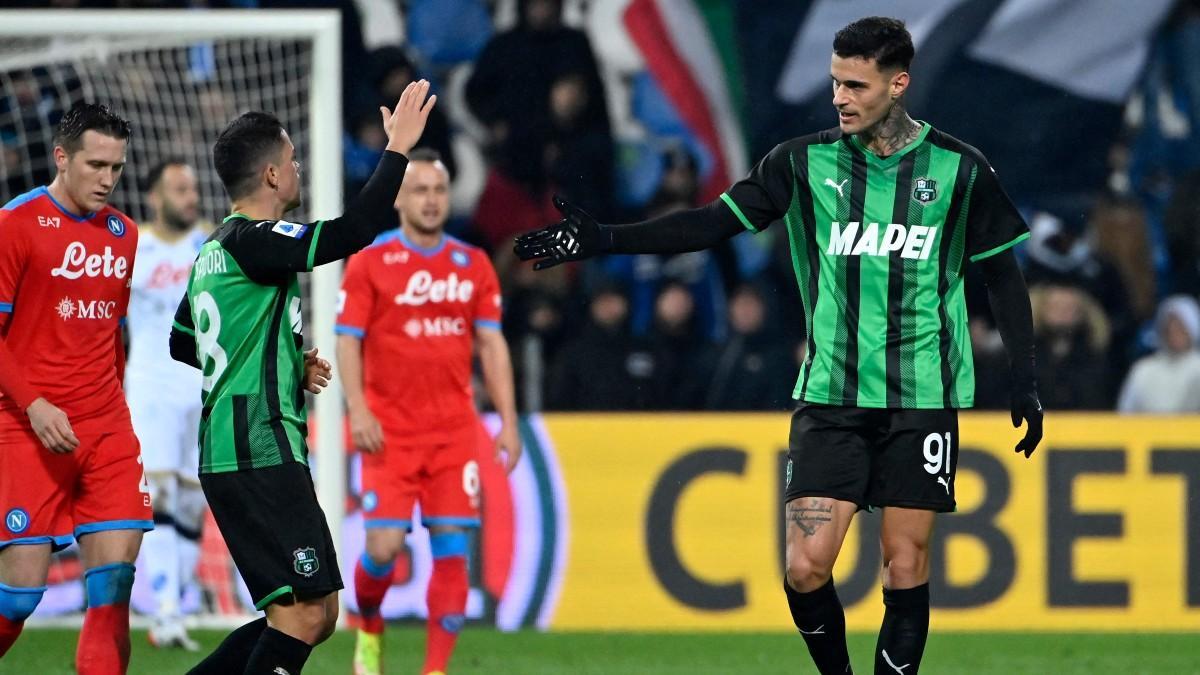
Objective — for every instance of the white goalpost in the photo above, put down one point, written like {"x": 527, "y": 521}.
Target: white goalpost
{"x": 179, "y": 76}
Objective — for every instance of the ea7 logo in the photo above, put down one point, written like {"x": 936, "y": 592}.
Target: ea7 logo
{"x": 914, "y": 242}
{"x": 50, "y": 221}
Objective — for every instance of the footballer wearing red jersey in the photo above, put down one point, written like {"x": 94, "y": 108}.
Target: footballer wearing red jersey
{"x": 413, "y": 308}
{"x": 69, "y": 461}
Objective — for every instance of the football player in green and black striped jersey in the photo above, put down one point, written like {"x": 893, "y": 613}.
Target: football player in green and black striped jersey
{"x": 240, "y": 324}
{"x": 882, "y": 212}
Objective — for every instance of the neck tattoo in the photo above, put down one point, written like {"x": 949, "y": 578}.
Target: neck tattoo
{"x": 893, "y": 132}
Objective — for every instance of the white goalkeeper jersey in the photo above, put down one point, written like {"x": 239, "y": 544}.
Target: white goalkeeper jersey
{"x": 160, "y": 277}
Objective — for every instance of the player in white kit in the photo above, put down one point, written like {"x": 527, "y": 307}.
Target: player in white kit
{"x": 162, "y": 397}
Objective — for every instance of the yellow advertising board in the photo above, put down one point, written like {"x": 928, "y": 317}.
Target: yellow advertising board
{"x": 675, "y": 522}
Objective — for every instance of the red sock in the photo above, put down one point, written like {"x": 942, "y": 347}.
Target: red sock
{"x": 9, "y": 630}
{"x": 447, "y": 600}
{"x": 371, "y": 583}
{"x": 104, "y": 641}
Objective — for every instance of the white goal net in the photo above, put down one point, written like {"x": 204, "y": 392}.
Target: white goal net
{"x": 179, "y": 77}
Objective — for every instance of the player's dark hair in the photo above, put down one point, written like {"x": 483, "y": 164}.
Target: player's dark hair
{"x": 88, "y": 117}
{"x": 156, "y": 172}
{"x": 424, "y": 155}
{"x": 883, "y": 39}
{"x": 249, "y": 142}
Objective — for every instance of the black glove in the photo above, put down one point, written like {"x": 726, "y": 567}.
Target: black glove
{"x": 1026, "y": 406}
{"x": 576, "y": 237}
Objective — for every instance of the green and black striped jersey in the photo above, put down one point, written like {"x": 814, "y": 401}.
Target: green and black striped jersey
{"x": 878, "y": 247}
{"x": 243, "y": 308}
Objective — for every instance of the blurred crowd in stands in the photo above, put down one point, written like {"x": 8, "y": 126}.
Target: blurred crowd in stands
{"x": 529, "y": 107}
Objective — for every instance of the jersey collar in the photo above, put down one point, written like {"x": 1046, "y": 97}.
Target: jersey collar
{"x": 77, "y": 218}
{"x": 427, "y": 252}
{"x": 893, "y": 158}
{"x": 233, "y": 215}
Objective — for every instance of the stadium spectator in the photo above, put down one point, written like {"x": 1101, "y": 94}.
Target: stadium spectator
{"x": 1071, "y": 335}
{"x": 510, "y": 87}
{"x": 513, "y": 92}
{"x": 678, "y": 346}
{"x": 1182, "y": 225}
{"x": 393, "y": 71}
{"x": 1168, "y": 381}
{"x": 1122, "y": 237}
{"x": 698, "y": 270}
{"x": 514, "y": 196}
{"x": 604, "y": 367}
{"x": 753, "y": 369}
{"x": 579, "y": 149}
{"x": 1061, "y": 252}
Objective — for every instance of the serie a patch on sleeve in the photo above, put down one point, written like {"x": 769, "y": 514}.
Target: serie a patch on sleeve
{"x": 293, "y": 230}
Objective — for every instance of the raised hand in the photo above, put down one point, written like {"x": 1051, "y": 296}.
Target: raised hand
{"x": 406, "y": 123}
{"x": 576, "y": 237}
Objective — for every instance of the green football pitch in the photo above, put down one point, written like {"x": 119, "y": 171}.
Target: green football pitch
{"x": 50, "y": 652}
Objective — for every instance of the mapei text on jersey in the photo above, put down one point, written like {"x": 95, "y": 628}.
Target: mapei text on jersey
{"x": 914, "y": 241}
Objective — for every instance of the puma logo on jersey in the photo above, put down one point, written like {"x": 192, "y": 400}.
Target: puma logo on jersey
{"x": 943, "y": 483}
{"x": 423, "y": 288}
{"x": 914, "y": 242}
{"x": 77, "y": 262}
{"x": 837, "y": 186}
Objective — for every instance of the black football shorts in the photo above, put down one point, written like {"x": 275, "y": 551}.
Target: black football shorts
{"x": 874, "y": 457}
{"x": 275, "y": 531}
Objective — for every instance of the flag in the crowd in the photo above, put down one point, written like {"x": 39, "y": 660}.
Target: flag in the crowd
{"x": 689, "y": 48}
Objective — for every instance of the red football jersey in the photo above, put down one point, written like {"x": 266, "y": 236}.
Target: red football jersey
{"x": 416, "y": 311}
{"x": 64, "y": 280}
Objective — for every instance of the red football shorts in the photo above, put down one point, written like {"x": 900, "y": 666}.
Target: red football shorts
{"x": 442, "y": 477}
{"x": 48, "y": 497}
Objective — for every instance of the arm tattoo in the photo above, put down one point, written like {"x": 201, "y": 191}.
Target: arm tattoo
{"x": 810, "y": 517}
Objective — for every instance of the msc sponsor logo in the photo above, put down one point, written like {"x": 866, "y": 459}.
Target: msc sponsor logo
{"x": 439, "y": 326}
{"x": 76, "y": 308}
{"x": 914, "y": 242}
{"x": 17, "y": 520}
{"x": 423, "y": 288}
{"x": 116, "y": 226}
{"x": 77, "y": 262}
